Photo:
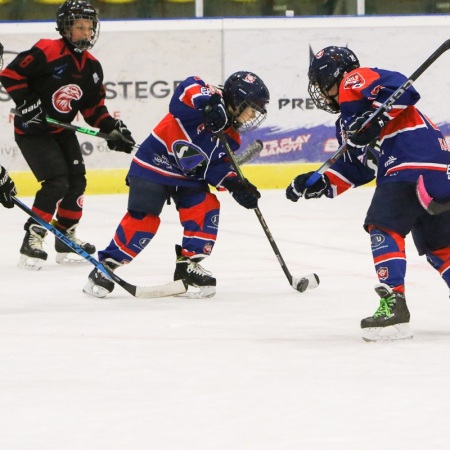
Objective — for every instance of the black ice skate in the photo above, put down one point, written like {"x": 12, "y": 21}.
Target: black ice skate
{"x": 32, "y": 255}
{"x": 194, "y": 275}
{"x": 64, "y": 254}
{"x": 98, "y": 284}
{"x": 391, "y": 319}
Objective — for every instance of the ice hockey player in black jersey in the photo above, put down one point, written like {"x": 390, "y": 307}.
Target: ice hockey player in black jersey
{"x": 60, "y": 78}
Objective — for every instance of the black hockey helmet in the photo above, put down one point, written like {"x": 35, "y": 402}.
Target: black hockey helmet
{"x": 327, "y": 69}
{"x": 71, "y": 10}
{"x": 1, "y": 56}
{"x": 244, "y": 90}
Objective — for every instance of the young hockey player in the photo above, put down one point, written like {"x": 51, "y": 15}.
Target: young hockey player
{"x": 180, "y": 159}
{"x": 409, "y": 145}
{"x": 59, "y": 78}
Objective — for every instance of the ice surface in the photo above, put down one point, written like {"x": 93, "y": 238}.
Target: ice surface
{"x": 258, "y": 367}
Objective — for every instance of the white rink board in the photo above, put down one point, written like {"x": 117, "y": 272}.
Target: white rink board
{"x": 143, "y": 60}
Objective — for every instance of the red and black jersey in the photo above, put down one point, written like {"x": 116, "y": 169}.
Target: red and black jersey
{"x": 67, "y": 82}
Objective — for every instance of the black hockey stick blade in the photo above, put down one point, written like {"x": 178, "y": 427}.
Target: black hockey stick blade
{"x": 165, "y": 290}
{"x": 250, "y": 152}
{"x": 299, "y": 284}
{"x": 386, "y": 106}
{"x": 76, "y": 128}
{"x": 429, "y": 203}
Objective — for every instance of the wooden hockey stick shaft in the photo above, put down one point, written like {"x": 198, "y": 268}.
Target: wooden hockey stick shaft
{"x": 301, "y": 284}
{"x": 386, "y": 106}
{"x": 174, "y": 288}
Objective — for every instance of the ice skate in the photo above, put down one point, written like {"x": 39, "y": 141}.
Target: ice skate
{"x": 64, "y": 254}
{"x": 391, "y": 320}
{"x": 100, "y": 285}
{"x": 32, "y": 255}
{"x": 195, "y": 276}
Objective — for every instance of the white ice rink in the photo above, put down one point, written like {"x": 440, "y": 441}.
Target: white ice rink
{"x": 258, "y": 367}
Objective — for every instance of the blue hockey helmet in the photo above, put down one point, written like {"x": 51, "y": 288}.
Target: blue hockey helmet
{"x": 326, "y": 70}
{"x": 244, "y": 90}
{"x": 72, "y": 10}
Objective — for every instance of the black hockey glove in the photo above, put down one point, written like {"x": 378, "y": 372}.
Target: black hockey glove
{"x": 299, "y": 189}
{"x": 32, "y": 113}
{"x": 120, "y": 138}
{"x": 215, "y": 114}
{"x": 7, "y": 188}
{"x": 370, "y": 132}
{"x": 245, "y": 193}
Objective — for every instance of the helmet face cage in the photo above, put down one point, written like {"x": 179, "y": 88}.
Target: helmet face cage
{"x": 327, "y": 70}
{"x": 247, "y": 95}
{"x": 71, "y": 11}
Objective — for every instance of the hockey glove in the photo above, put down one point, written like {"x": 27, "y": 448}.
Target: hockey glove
{"x": 299, "y": 189}
{"x": 120, "y": 138}
{"x": 244, "y": 192}
{"x": 32, "y": 113}
{"x": 370, "y": 132}
{"x": 7, "y": 189}
{"x": 215, "y": 114}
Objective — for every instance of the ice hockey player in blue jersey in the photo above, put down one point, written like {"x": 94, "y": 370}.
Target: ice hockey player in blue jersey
{"x": 408, "y": 145}
{"x": 179, "y": 161}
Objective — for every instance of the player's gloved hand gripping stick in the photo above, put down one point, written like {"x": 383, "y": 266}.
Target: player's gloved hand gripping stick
{"x": 300, "y": 284}
{"x": 386, "y": 106}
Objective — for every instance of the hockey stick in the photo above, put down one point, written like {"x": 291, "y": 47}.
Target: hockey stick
{"x": 300, "y": 284}
{"x": 386, "y": 106}
{"x": 250, "y": 152}
{"x": 76, "y": 128}
{"x": 165, "y": 290}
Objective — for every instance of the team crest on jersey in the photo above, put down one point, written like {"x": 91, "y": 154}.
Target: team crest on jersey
{"x": 354, "y": 81}
{"x": 383, "y": 273}
{"x": 80, "y": 201}
{"x": 189, "y": 156}
{"x": 64, "y": 95}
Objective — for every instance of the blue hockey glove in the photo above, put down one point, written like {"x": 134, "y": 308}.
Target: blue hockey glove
{"x": 215, "y": 114}
{"x": 245, "y": 193}
{"x": 120, "y": 138}
{"x": 299, "y": 189}
{"x": 7, "y": 188}
{"x": 370, "y": 132}
{"x": 32, "y": 113}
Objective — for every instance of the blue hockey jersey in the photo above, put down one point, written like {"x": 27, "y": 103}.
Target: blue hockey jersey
{"x": 410, "y": 144}
{"x": 180, "y": 151}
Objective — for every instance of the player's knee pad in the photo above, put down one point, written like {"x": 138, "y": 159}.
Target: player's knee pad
{"x": 55, "y": 188}
{"x": 77, "y": 183}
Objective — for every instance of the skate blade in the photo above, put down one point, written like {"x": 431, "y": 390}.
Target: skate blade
{"x": 94, "y": 290}
{"x": 391, "y": 333}
{"x": 29, "y": 263}
{"x": 70, "y": 258}
{"x": 201, "y": 292}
